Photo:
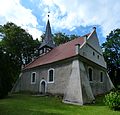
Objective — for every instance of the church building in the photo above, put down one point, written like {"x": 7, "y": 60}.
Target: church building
{"x": 76, "y": 70}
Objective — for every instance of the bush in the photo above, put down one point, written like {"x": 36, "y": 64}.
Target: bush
{"x": 112, "y": 100}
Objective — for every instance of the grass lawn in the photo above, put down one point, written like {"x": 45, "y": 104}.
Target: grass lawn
{"x": 19, "y": 104}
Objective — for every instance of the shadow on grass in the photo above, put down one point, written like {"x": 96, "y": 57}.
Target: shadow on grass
{"x": 99, "y": 101}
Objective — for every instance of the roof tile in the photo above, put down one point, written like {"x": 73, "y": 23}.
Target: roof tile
{"x": 60, "y": 52}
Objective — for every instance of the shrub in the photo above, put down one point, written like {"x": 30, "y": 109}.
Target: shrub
{"x": 112, "y": 100}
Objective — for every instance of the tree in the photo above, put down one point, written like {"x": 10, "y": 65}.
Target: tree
{"x": 112, "y": 55}
{"x": 73, "y": 36}
{"x": 16, "y": 48}
{"x": 60, "y": 38}
{"x": 18, "y": 43}
{"x": 7, "y": 71}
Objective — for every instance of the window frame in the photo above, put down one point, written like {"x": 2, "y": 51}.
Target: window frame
{"x": 49, "y": 75}
{"x": 32, "y": 78}
{"x": 89, "y": 74}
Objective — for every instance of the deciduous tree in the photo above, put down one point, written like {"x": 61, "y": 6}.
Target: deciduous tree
{"x": 60, "y": 38}
{"x": 17, "y": 47}
{"x": 112, "y": 55}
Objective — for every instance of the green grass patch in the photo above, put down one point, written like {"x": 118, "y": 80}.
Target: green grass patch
{"x": 19, "y": 104}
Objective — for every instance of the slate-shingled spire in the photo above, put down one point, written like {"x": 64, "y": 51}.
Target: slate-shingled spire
{"x": 47, "y": 43}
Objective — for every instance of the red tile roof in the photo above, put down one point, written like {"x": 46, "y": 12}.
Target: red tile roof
{"x": 61, "y": 52}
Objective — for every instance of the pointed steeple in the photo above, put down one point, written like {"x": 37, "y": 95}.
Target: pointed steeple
{"x": 48, "y": 34}
{"x": 47, "y": 43}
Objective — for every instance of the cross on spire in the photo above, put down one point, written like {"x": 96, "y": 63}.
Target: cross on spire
{"x": 48, "y": 14}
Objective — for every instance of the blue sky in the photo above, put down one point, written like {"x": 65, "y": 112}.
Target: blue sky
{"x": 68, "y": 16}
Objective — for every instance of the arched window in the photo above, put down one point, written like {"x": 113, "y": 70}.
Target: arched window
{"x": 51, "y": 76}
{"x": 101, "y": 76}
{"x": 90, "y": 74}
{"x": 33, "y": 77}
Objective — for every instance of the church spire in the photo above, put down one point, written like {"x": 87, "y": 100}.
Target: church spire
{"x": 47, "y": 43}
{"x": 48, "y": 34}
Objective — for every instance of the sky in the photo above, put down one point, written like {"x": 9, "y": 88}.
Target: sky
{"x": 67, "y": 16}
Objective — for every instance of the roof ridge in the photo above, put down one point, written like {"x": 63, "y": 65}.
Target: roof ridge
{"x": 63, "y": 51}
{"x": 75, "y": 39}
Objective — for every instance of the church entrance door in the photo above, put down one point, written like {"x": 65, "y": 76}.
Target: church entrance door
{"x": 43, "y": 86}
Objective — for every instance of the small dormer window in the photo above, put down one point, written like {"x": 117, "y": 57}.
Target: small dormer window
{"x": 48, "y": 49}
{"x": 44, "y": 50}
{"x": 93, "y": 53}
{"x": 41, "y": 51}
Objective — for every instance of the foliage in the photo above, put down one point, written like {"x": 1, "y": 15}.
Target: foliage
{"x": 112, "y": 55}
{"x": 112, "y": 100}
{"x": 60, "y": 38}
{"x": 18, "y": 43}
{"x": 39, "y": 105}
{"x": 7, "y": 71}
{"x": 17, "y": 47}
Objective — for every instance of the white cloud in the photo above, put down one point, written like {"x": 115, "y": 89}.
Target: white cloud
{"x": 65, "y": 14}
{"x": 34, "y": 32}
{"x": 69, "y": 14}
{"x": 13, "y": 11}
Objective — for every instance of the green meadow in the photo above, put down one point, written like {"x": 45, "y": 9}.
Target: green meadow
{"x": 19, "y": 104}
